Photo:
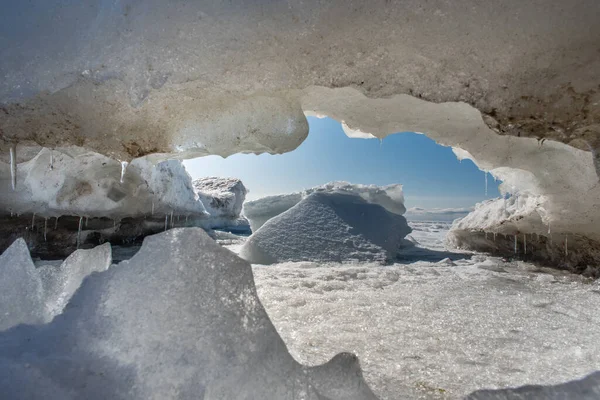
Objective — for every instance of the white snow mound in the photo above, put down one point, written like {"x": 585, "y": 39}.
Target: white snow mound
{"x": 390, "y": 197}
{"x": 329, "y": 226}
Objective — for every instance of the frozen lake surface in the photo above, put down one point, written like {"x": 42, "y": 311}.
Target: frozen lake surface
{"x": 436, "y": 328}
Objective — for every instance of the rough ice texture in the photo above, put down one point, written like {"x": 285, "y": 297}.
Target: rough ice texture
{"x": 181, "y": 318}
{"x": 127, "y": 80}
{"x": 222, "y": 197}
{"x": 31, "y": 295}
{"x": 77, "y": 182}
{"x": 516, "y": 226}
{"x": 328, "y": 225}
{"x": 437, "y": 330}
{"x": 390, "y": 197}
{"x": 131, "y": 79}
{"x": 587, "y": 388}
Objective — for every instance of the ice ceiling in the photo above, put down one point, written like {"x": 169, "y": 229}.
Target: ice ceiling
{"x": 183, "y": 79}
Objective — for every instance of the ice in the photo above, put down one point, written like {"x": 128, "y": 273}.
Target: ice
{"x": 31, "y": 295}
{"x": 329, "y": 226}
{"x": 123, "y": 169}
{"x": 61, "y": 282}
{"x": 587, "y": 388}
{"x": 21, "y": 292}
{"x": 222, "y": 197}
{"x": 439, "y": 330}
{"x": 79, "y": 232}
{"x": 486, "y": 183}
{"x": 259, "y": 211}
{"x": 13, "y": 167}
{"x": 87, "y": 183}
{"x": 181, "y": 319}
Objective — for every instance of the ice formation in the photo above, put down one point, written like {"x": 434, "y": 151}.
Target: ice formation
{"x": 223, "y": 199}
{"x": 90, "y": 184}
{"x": 335, "y": 223}
{"x": 33, "y": 295}
{"x": 261, "y": 210}
{"x": 517, "y": 216}
{"x": 587, "y": 388}
{"x": 181, "y": 318}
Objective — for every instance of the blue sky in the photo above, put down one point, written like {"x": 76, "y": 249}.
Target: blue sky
{"x": 431, "y": 174}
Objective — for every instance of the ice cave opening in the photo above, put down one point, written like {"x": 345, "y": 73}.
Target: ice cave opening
{"x": 122, "y": 277}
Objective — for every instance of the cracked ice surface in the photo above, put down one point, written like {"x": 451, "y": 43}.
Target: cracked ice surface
{"x": 432, "y": 330}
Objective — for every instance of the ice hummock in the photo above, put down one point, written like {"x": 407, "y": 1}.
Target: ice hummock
{"x": 180, "y": 319}
{"x": 259, "y": 211}
{"x": 329, "y": 226}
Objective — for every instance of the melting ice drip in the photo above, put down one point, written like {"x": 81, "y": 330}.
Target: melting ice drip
{"x": 13, "y": 167}
{"x": 123, "y": 168}
{"x": 486, "y": 183}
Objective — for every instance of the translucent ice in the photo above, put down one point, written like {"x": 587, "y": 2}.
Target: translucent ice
{"x": 181, "y": 319}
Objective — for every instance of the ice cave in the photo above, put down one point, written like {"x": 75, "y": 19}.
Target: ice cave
{"x": 122, "y": 277}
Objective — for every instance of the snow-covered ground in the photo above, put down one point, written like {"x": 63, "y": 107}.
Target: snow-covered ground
{"x": 436, "y": 328}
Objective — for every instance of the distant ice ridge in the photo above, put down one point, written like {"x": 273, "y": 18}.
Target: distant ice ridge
{"x": 390, "y": 197}
{"x": 180, "y": 319}
{"x": 30, "y": 295}
{"x": 331, "y": 223}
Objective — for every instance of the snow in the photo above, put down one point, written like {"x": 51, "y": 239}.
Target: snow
{"x": 259, "y": 211}
{"x": 329, "y": 225}
{"x": 181, "y": 318}
{"x": 435, "y": 329}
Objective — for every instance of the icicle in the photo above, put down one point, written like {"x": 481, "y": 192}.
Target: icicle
{"x": 494, "y": 236}
{"x": 166, "y": 221}
{"x": 51, "y": 159}
{"x": 79, "y": 232}
{"x": 566, "y": 245}
{"x": 152, "y": 207}
{"x": 172, "y": 221}
{"x": 486, "y": 184}
{"x": 33, "y": 221}
{"x": 515, "y": 244}
{"x": 55, "y": 223}
{"x": 186, "y": 219}
{"x": 525, "y": 243}
{"x": 380, "y": 142}
{"x": 123, "y": 168}
{"x": 13, "y": 166}
{"x": 486, "y": 235}
{"x": 45, "y": 227}
{"x": 86, "y": 221}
